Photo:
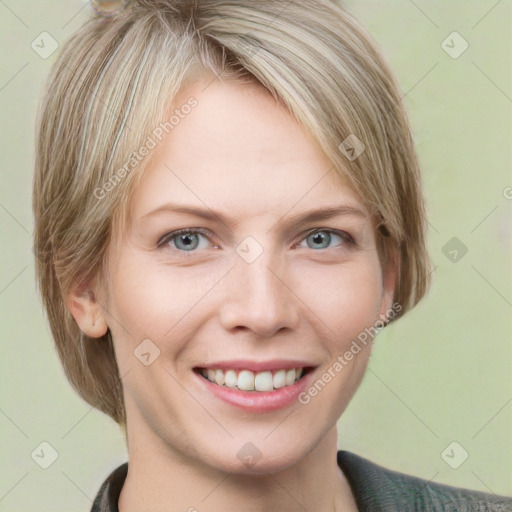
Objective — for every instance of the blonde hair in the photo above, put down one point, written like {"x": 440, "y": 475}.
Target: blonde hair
{"x": 116, "y": 79}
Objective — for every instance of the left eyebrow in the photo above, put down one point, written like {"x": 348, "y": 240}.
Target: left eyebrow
{"x": 325, "y": 213}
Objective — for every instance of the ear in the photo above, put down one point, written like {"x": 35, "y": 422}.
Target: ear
{"x": 87, "y": 312}
{"x": 389, "y": 280}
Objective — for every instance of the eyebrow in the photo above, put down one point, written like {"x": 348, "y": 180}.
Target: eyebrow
{"x": 317, "y": 214}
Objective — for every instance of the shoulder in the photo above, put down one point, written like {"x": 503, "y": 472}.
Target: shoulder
{"x": 380, "y": 489}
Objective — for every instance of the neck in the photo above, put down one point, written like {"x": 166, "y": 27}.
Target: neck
{"x": 160, "y": 478}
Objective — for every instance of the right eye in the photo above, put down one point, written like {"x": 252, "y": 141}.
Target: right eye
{"x": 184, "y": 240}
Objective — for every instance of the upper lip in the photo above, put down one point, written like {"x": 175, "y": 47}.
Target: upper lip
{"x": 256, "y": 366}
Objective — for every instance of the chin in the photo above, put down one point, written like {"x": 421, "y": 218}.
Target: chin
{"x": 259, "y": 457}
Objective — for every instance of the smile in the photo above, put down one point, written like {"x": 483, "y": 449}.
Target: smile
{"x": 246, "y": 380}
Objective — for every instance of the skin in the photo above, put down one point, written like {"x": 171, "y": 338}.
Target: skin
{"x": 240, "y": 153}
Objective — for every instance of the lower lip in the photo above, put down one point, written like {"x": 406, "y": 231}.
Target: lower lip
{"x": 257, "y": 401}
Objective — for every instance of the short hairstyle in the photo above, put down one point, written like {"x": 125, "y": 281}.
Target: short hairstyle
{"x": 116, "y": 80}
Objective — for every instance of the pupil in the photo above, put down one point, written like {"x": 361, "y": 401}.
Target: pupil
{"x": 187, "y": 241}
{"x": 318, "y": 238}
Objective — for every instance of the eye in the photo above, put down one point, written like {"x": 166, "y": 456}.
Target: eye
{"x": 186, "y": 240}
{"x": 321, "y": 239}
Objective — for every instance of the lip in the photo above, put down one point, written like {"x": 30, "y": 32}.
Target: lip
{"x": 256, "y": 366}
{"x": 257, "y": 402}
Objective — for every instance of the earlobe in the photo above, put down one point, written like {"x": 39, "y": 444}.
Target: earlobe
{"x": 87, "y": 312}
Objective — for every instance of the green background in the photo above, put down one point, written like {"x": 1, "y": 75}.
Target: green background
{"x": 441, "y": 374}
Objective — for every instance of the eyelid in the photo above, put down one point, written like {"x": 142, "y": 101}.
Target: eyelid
{"x": 349, "y": 239}
{"x": 173, "y": 234}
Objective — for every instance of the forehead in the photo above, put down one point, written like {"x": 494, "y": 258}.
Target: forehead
{"x": 240, "y": 151}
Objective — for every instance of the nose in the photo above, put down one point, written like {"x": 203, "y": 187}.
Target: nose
{"x": 257, "y": 298}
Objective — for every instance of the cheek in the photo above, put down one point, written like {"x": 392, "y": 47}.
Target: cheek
{"x": 147, "y": 300}
{"x": 346, "y": 301}
{"x": 141, "y": 293}
{"x": 346, "y": 298}
{"x": 156, "y": 303}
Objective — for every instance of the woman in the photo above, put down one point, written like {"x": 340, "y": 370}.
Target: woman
{"x": 228, "y": 208}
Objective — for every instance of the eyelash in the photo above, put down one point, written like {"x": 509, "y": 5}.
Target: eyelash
{"x": 163, "y": 242}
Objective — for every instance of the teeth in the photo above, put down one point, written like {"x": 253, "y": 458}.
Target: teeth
{"x": 219, "y": 377}
{"x": 246, "y": 380}
{"x": 230, "y": 379}
{"x": 263, "y": 381}
{"x": 290, "y": 377}
{"x": 249, "y": 381}
{"x": 280, "y": 379}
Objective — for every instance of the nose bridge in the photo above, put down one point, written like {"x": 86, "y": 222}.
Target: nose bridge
{"x": 258, "y": 297}
{"x": 261, "y": 278}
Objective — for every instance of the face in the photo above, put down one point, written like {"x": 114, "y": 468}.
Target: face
{"x": 226, "y": 279}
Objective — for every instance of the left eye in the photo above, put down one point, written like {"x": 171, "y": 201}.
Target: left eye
{"x": 321, "y": 239}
